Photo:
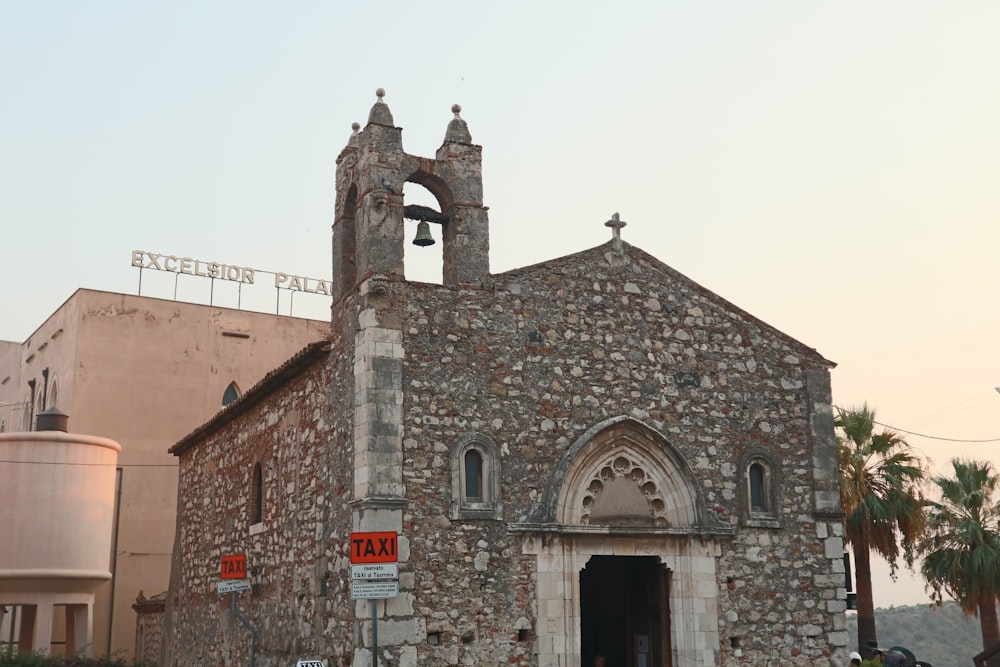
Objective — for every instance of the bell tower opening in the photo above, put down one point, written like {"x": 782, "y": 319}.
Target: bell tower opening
{"x": 423, "y": 242}
{"x": 625, "y": 612}
{"x": 374, "y": 227}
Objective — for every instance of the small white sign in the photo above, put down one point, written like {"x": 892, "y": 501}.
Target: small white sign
{"x": 233, "y": 585}
{"x": 310, "y": 663}
{"x": 375, "y": 571}
{"x": 374, "y": 590}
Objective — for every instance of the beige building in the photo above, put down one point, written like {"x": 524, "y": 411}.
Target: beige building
{"x": 142, "y": 372}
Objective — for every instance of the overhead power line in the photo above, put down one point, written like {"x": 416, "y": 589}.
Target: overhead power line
{"x": 107, "y": 465}
{"x": 934, "y": 437}
{"x": 924, "y": 435}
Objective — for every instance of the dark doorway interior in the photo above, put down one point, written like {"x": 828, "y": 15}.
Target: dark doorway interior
{"x": 624, "y": 611}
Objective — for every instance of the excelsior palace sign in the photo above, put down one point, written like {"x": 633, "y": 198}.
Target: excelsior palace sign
{"x": 143, "y": 259}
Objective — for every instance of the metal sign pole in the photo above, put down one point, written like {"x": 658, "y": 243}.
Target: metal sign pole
{"x": 253, "y": 633}
{"x": 374, "y": 633}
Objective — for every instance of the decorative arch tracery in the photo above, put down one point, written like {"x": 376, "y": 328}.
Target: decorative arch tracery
{"x": 623, "y": 473}
{"x": 623, "y": 484}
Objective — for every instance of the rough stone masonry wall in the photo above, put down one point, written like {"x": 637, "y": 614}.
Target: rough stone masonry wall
{"x": 553, "y": 351}
{"x": 532, "y": 361}
{"x": 296, "y": 610}
{"x": 149, "y": 627}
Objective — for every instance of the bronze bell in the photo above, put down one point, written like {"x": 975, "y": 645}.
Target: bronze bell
{"x": 423, "y": 237}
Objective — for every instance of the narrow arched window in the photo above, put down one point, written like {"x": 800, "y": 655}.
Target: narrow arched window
{"x": 757, "y": 480}
{"x": 760, "y": 489}
{"x": 3, "y": 425}
{"x": 475, "y": 478}
{"x": 53, "y": 394}
{"x": 257, "y": 495}
{"x": 473, "y": 475}
{"x": 231, "y": 394}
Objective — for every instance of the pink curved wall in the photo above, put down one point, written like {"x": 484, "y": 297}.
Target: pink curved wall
{"x": 57, "y": 509}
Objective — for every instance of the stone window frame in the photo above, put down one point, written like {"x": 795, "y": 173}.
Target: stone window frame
{"x": 767, "y": 517}
{"x": 488, "y": 505}
{"x": 255, "y": 499}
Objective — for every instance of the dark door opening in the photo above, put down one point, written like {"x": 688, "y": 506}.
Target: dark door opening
{"x": 625, "y": 612}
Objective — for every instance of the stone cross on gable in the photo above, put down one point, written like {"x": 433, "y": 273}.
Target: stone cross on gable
{"x": 616, "y": 224}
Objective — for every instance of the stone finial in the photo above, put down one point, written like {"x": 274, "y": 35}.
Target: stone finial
{"x": 380, "y": 114}
{"x": 355, "y": 133}
{"x": 458, "y": 130}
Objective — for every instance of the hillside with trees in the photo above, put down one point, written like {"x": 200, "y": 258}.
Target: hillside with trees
{"x": 943, "y": 636}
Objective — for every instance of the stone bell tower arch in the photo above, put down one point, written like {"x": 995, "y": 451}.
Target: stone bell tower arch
{"x": 368, "y": 227}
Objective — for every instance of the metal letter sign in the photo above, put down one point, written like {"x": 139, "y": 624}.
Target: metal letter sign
{"x": 374, "y": 548}
{"x": 234, "y": 567}
{"x": 310, "y": 663}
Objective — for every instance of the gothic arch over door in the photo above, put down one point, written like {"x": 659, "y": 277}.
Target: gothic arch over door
{"x": 622, "y": 491}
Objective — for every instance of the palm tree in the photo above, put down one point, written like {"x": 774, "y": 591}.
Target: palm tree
{"x": 962, "y": 548}
{"x": 880, "y": 493}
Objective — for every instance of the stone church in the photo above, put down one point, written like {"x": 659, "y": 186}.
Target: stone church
{"x": 590, "y": 456}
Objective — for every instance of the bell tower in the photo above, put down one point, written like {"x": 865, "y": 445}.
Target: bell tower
{"x": 368, "y": 227}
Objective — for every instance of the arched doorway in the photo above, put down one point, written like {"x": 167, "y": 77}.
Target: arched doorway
{"x": 626, "y": 554}
{"x": 625, "y": 612}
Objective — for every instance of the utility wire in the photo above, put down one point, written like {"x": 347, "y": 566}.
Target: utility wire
{"x": 169, "y": 465}
{"x": 110, "y": 465}
{"x": 924, "y": 435}
{"x": 933, "y": 437}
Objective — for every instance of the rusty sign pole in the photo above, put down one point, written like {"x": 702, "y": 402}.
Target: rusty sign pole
{"x": 248, "y": 626}
{"x": 374, "y": 633}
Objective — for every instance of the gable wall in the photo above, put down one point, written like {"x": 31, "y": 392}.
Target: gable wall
{"x": 554, "y": 351}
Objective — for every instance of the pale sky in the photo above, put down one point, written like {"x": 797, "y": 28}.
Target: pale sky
{"x": 832, "y": 168}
